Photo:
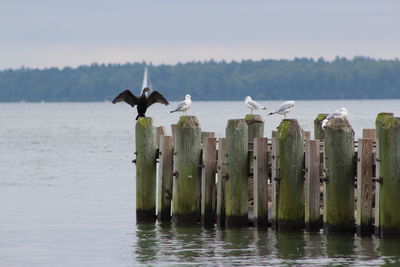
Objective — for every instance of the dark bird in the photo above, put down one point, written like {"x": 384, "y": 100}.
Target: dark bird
{"x": 143, "y": 102}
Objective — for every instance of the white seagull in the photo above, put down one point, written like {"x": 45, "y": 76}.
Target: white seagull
{"x": 252, "y": 105}
{"x": 340, "y": 113}
{"x": 184, "y": 105}
{"x": 284, "y": 108}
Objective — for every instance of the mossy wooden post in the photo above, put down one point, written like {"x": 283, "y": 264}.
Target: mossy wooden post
{"x": 340, "y": 163}
{"x": 146, "y": 169}
{"x": 236, "y": 201}
{"x": 165, "y": 169}
{"x": 389, "y": 196}
{"x": 275, "y": 178}
{"x": 378, "y": 126}
{"x": 312, "y": 185}
{"x": 364, "y": 187}
{"x": 260, "y": 182}
{"x": 187, "y": 171}
{"x": 318, "y": 131}
{"x": 221, "y": 166}
{"x": 208, "y": 181}
{"x": 290, "y": 213}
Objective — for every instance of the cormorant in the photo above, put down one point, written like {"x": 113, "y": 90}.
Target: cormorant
{"x": 142, "y": 102}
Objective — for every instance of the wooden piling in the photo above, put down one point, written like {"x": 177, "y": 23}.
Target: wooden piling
{"x": 165, "y": 169}
{"x": 307, "y": 135}
{"x": 146, "y": 169}
{"x": 290, "y": 213}
{"x": 318, "y": 131}
{"x": 187, "y": 174}
{"x": 260, "y": 182}
{"x": 312, "y": 185}
{"x": 159, "y": 132}
{"x": 378, "y": 126}
{"x": 339, "y": 183}
{"x": 389, "y": 198}
{"x": 208, "y": 181}
{"x": 205, "y": 135}
{"x": 255, "y": 124}
{"x": 221, "y": 166}
{"x": 364, "y": 187}
{"x": 369, "y": 133}
{"x": 275, "y": 179}
{"x": 236, "y": 200}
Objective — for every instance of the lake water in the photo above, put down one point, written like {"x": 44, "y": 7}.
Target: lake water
{"x": 67, "y": 193}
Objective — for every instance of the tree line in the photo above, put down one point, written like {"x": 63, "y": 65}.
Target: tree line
{"x": 300, "y": 78}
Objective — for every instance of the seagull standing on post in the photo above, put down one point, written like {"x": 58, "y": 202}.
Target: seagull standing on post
{"x": 184, "y": 105}
{"x": 340, "y": 113}
{"x": 252, "y": 105}
{"x": 284, "y": 108}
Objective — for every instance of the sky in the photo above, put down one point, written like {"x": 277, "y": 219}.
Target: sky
{"x": 47, "y": 33}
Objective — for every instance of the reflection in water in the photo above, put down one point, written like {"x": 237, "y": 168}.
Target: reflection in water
{"x": 160, "y": 244}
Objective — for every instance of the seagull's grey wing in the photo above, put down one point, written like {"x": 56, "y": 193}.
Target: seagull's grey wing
{"x": 253, "y": 104}
{"x": 181, "y": 105}
{"x": 333, "y": 114}
{"x": 284, "y": 106}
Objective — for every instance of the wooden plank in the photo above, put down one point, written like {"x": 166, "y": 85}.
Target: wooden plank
{"x": 312, "y": 185}
{"x": 221, "y": 168}
{"x": 208, "y": 181}
{"x": 236, "y": 186}
{"x": 205, "y": 135}
{"x": 275, "y": 180}
{"x": 364, "y": 187}
{"x": 165, "y": 169}
{"x": 260, "y": 182}
{"x": 159, "y": 132}
{"x": 307, "y": 135}
{"x": 369, "y": 133}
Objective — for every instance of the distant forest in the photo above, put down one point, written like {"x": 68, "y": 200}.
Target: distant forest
{"x": 357, "y": 78}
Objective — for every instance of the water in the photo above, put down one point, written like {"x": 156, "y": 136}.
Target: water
{"x": 67, "y": 193}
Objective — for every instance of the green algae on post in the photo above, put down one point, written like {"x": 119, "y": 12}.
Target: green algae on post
{"x": 318, "y": 131}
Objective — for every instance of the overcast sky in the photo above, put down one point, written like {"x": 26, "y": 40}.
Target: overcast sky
{"x": 45, "y": 33}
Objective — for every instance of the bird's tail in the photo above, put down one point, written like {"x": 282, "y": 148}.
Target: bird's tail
{"x": 172, "y": 111}
{"x": 271, "y": 113}
{"x": 137, "y": 117}
{"x": 263, "y": 108}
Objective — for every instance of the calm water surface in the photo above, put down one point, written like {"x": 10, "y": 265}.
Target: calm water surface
{"x": 67, "y": 193}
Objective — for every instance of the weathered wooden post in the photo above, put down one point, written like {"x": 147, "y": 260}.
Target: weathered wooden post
{"x": 187, "y": 174}
{"x": 260, "y": 182}
{"x": 159, "y": 132}
{"x": 236, "y": 205}
{"x": 205, "y": 135}
{"x": 389, "y": 178}
{"x": 146, "y": 169}
{"x": 312, "y": 185}
{"x": 165, "y": 169}
{"x": 221, "y": 182}
{"x": 208, "y": 181}
{"x": 339, "y": 180}
{"x": 275, "y": 176}
{"x": 378, "y": 125}
{"x": 255, "y": 125}
{"x": 369, "y": 133}
{"x": 290, "y": 213}
{"x": 318, "y": 131}
{"x": 364, "y": 186}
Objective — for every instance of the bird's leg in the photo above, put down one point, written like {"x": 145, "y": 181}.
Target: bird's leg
{"x": 251, "y": 111}
{"x": 284, "y": 115}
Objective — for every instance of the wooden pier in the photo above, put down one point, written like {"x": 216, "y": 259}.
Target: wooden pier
{"x": 288, "y": 181}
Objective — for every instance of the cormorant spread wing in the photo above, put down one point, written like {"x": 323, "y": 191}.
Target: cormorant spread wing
{"x": 126, "y": 96}
{"x": 156, "y": 97}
